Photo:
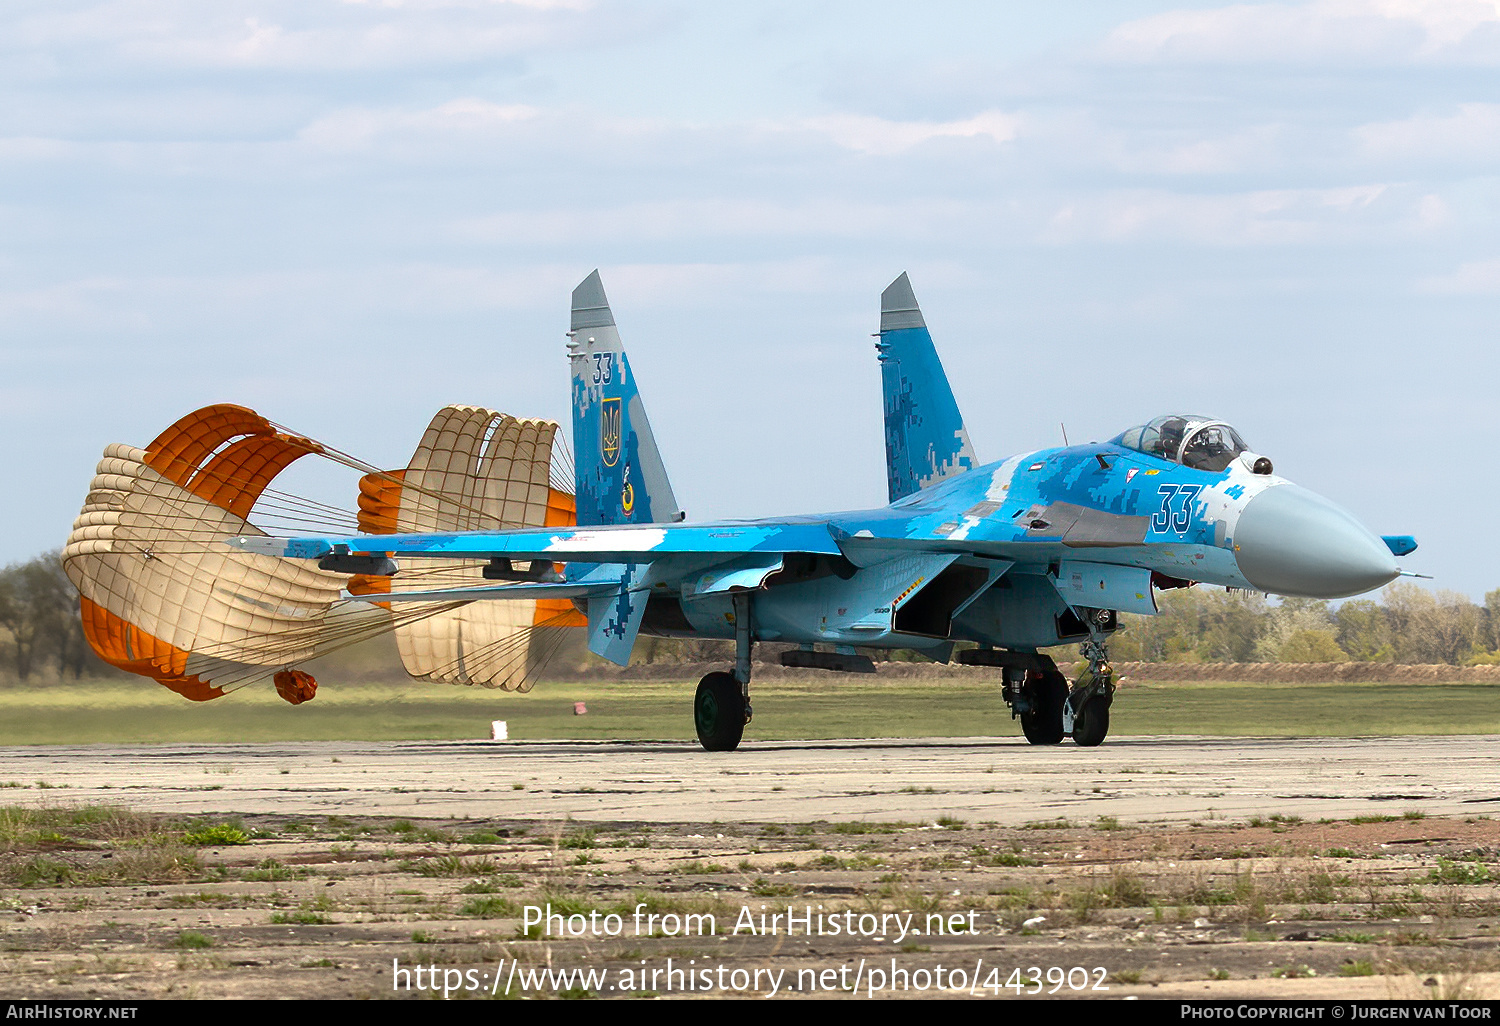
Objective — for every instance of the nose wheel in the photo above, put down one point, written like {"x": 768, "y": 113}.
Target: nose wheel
{"x": 1091, "y": 696}
{"x": 1091, "y": 722}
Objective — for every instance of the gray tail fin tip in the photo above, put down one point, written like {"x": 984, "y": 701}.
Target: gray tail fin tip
{"x": 898, "y": 306}
{"x": 590, "y": 306}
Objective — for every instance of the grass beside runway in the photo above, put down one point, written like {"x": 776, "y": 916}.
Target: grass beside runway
{"x": 127, "y": 711}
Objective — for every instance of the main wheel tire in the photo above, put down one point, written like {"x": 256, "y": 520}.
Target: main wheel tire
{"x": 1044, "y": 724}
{"x": 719, "y": 712}
{"x": 1092, "y": 722}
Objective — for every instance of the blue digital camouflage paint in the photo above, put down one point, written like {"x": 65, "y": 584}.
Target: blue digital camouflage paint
{"x": 1013, "y": 556}
{"x": 925, "y": 439}
{"x": 619, "y": 473}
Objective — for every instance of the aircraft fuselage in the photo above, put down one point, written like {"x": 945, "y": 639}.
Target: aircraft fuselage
{"x": 1005, "y": 553}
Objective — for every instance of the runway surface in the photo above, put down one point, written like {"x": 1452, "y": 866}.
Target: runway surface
{"x": 1135, "y": 779}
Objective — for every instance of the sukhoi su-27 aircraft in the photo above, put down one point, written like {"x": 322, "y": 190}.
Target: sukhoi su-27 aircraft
{"x": 1035, "y": 550}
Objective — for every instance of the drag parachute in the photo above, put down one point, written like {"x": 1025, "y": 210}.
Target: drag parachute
{"x": 475, "y": 469}
{"x": 164, "y": 596}
{"x": 161, "y": 594}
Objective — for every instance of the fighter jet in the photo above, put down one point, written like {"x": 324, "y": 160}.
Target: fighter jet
{"x": 1037, "y": 550}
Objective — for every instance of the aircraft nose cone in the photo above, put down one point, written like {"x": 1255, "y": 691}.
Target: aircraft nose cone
{"x": 1290, "y": 541}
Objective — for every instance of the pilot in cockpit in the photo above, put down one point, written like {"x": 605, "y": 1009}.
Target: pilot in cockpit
{"x": 1212, "y": 447}
{"x": 1197, "y": 442}
{"x": 1171, "y": 437}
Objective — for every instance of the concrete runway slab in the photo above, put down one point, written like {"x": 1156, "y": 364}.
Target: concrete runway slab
{"x": 1135, "y": 779}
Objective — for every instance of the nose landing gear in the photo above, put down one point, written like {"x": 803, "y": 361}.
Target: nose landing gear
{"x": 1091, "y": 696}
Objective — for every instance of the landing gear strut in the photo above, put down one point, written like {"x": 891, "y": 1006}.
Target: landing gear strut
{"x": 1038, "y": 694}
{"x": 1091, "y": 696}
{"x": 721, "y": 707}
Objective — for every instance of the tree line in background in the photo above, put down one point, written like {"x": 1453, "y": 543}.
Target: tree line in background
{"x": 41, "y": 634}
{"x": 1408, "y": 625}
{"x": 1211, "y": 625}
{"x": 40, "y": 630}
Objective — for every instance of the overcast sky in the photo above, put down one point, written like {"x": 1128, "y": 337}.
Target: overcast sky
{"x": 347, "y": 214}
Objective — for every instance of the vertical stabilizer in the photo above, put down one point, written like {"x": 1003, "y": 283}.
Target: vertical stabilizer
{"x": 925, "y": 438}
{"x": 619, "y": 473}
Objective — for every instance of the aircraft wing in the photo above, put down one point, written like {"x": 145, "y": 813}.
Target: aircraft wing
{"x": 548, "y": 590}
{"x": 624, "y": 544}
{"x": 623, "y": 556}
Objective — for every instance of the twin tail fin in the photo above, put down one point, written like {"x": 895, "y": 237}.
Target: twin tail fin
{"x": 619, "y": 473}
{"x": 925, "y": 438}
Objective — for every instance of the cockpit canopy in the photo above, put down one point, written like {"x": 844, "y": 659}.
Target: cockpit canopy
{"x": 1198, "y": 442}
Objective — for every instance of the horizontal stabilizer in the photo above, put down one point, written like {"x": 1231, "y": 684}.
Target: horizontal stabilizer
{"x": 615, "y": 620}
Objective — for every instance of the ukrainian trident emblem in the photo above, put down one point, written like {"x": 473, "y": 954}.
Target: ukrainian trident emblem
{"x": 609, "y": 431}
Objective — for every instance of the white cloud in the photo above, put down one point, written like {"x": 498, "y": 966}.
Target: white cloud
{"x": 447, "y": 5}
{"x": 1379, "y": 31}
{"x": 176, "y": 308}
{"x": 1432, "y": 213}
{"x": 729, "y": 217}
{"x": 355, "y": 128}
{"x": 1444, "y": 22}
{"x": 474, "y": 127}
{"x": 385, "y": 43}
{"x": 704, "y": 284}
{"x": 1253, "y": 148}
{"x": 25, "y": 149}
{"x": 880, "y": 137}
{"x": 143, "y": 301}
{"x": 1469, "y": 135}
{"x": 282, "y": 34}
{"x": 1263, "y": 217}
{"x": 1479, "y": 277}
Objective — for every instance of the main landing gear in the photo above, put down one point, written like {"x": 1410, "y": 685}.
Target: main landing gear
{"x": 720, "y": 712}
{"x": 721, "y": 708}
{"x": 1037, "y": 695}
{"x": 1049, "y": 710}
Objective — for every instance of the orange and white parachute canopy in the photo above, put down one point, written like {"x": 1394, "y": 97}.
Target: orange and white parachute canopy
{"x": 161, "y": 593}
{"x": 475, "y": 469}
